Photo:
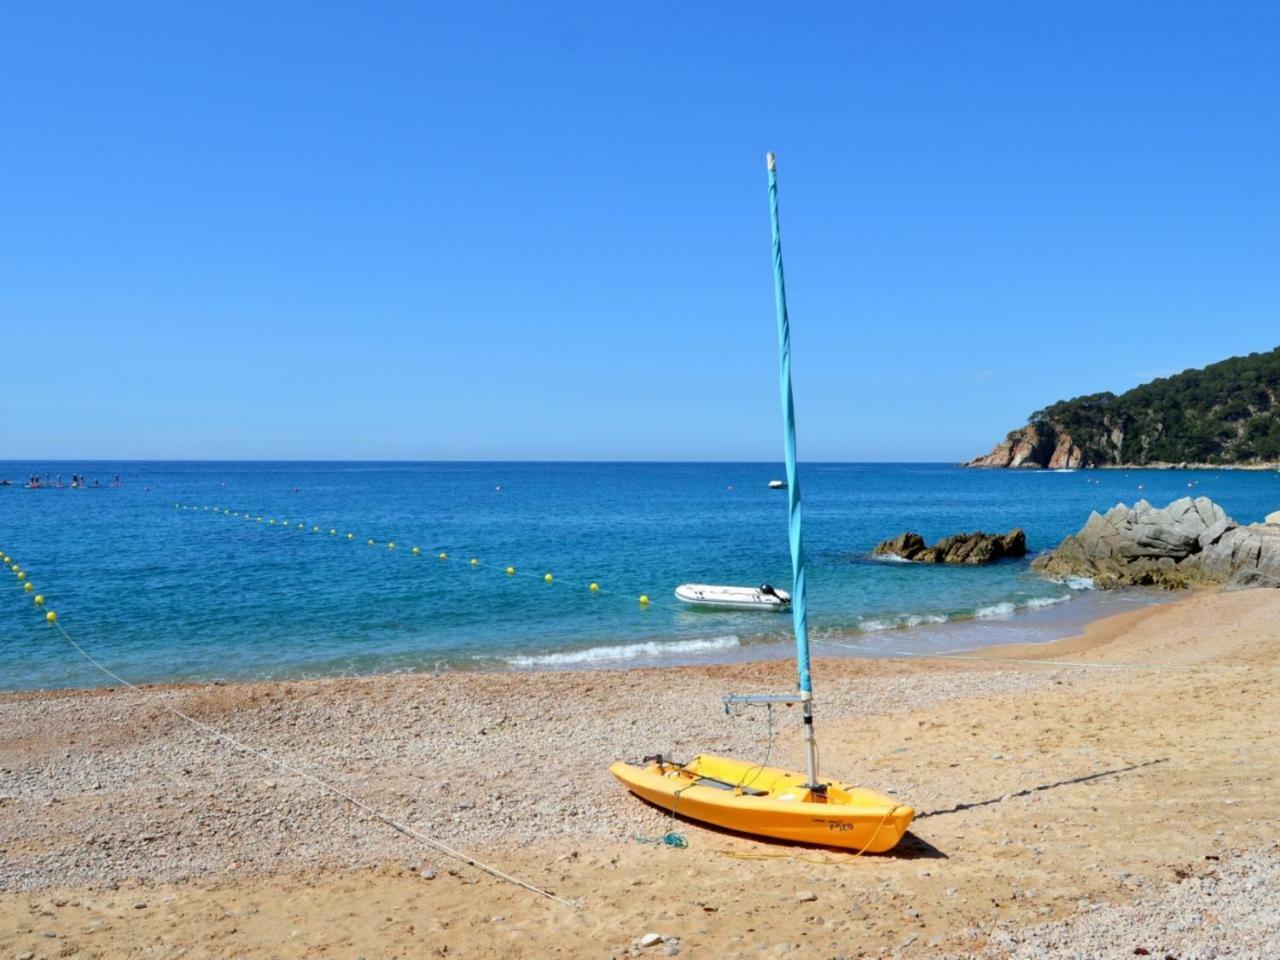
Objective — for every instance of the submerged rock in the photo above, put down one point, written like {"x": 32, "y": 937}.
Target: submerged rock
{"x": 970, "y": 548}
{"x": 1188, "y": 542}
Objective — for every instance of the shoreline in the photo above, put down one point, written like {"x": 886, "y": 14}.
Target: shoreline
{"x": 1043, "y": 778}
{"x": 916, "y": 637}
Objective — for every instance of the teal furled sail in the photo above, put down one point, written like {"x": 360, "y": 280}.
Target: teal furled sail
{"x": 799, "y": 609}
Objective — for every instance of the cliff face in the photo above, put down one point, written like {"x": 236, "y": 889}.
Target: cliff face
{"x": 1037, "y": 445}
{"x": 1227, "y": 413}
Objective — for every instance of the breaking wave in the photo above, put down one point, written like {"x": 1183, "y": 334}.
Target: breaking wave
{"x": 625, "y": 651}
{"x": 996, "y": 611}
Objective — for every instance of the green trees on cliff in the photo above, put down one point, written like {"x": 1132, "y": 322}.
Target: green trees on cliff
{"x": 1229, "y": 412}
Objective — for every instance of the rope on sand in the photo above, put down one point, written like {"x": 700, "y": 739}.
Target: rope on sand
{"x": 323, "y": 784}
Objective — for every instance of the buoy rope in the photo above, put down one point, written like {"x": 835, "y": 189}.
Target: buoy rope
{"x": 642, "y": 600}
{"x": 52, "y": 618}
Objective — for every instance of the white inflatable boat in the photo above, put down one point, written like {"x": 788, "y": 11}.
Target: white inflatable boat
{"x": 763, "y": 597}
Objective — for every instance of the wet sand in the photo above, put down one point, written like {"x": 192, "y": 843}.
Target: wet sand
{"x": 1056, "y": 783}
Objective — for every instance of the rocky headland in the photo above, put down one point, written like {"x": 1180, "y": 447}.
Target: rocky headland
{"x": 1188, "y": 543}
{"x": 1035, "y": 446}
{"x": 1223, "y": 415}
{"x": 972, "y": 548}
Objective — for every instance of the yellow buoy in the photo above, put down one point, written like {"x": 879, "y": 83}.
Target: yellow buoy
{"x": 475, "y": 562}
{"x": 315, "y": 529}
{"x": 644, "y": 600}
{"x": 351, "y": 536}
{"x": 15, "y": 568}
{"x": 594, "y": 588}
{"x": 271, "y": 523}
{"x": 548, "y": 577}
{"x": 51, "y": 616}
{"x": 444, "y": 556}
{"x": 416, "y": 551}
{"x": 371, "y": 541}
{"x": 28, "y": 586}
{"x": 39, "y": 600}
{"x": 391, "y": 545}
{"x": 302, "y": 526}
{"x": 511, "y": 571}
{"x": 21, "y": 575}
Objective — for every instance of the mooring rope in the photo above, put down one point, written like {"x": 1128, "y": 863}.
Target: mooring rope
{"x": 51, "y": 617}
{"x": 324, "y": 784}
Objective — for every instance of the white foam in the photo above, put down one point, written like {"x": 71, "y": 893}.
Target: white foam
{"x": 872, "y": 626}
{"x": 918, "y": 618}
{"x": 625, "y": 651}
{"x": 995, "y": 611}
{"x": 1079, "y": 583}
{"x": 1037, "y": 602}
{"x": 890, "y": 558}
{"x": 898, "y": 622}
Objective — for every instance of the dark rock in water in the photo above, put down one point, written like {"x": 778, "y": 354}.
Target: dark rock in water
{"x": 1188, "y": 542}
{"x": 908, "y": 546}
{"x": 973, "y": 548}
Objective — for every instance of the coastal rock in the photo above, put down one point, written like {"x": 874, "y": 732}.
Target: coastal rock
{"x": 906, "y": 545}
{"x": 971, "y": 548}
{"x": 1273, "y": 519}
{"x": 1186, "y": 543}
{"x": 1035, "y": 446}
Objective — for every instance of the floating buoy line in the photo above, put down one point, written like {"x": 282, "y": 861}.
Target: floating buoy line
{"x": 50, "y": 617}
{"x": 641, "y": 601}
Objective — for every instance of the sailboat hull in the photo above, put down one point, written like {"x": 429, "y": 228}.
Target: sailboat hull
{"x": 769, "y": 802}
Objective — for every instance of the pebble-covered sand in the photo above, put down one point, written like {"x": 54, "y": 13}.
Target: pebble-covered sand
{"x": 133, "y": 791}
{"x": 1117, "y": 799}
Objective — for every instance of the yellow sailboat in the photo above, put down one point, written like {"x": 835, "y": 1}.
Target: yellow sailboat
{"x": 751, "y": 798}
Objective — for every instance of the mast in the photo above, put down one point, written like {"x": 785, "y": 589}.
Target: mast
{"x": 799, "y": 613}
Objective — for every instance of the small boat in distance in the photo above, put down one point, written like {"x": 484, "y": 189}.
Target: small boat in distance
{"x": 763, "y": 597}
{"x": 777, "y": 484}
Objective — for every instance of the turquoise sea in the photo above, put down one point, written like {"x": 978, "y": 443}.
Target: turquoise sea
{"x": 165, "y": 592}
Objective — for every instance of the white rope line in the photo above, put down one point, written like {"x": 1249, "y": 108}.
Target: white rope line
{"x": 336, "y": 791}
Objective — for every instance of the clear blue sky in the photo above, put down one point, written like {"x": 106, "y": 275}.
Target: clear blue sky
{"x": 540, "y": 230}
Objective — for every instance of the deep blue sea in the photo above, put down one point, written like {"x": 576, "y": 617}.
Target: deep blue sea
{"x": 165, "y": 592}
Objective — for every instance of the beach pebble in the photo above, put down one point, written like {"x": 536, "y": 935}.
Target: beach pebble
{"x": 806, "y": 896}
{"x": 140, "y": 905}
{"x": 650, "y": 940}
{"x": 428, "y": 874}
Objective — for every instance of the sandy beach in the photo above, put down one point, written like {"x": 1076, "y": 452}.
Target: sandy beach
{"x": 1105, "y": 795}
